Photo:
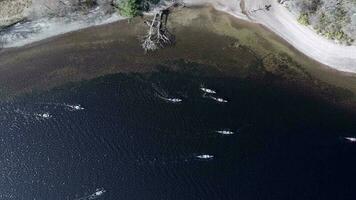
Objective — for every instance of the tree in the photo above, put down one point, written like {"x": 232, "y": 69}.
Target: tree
{"x": 157, "y": 35}
{"x": 304, "y": 19}
{"x": 128, "y": 8}
{"x": 333, "y": 19}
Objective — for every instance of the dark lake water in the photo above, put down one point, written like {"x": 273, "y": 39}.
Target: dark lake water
{"x": 134, "y": 144}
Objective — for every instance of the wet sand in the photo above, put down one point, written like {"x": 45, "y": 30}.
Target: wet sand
{"x": 230, "y": 47}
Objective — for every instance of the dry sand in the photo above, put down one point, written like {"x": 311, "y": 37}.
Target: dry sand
{"x": 282, "y": 22}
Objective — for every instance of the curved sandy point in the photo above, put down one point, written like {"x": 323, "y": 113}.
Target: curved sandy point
{"x": 283, "y": 23}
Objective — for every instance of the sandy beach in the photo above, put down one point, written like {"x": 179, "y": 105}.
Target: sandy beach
{"x": 279, "y": 20}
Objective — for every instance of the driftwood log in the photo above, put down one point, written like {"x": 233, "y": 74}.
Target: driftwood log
{"x": 158, "y": 36}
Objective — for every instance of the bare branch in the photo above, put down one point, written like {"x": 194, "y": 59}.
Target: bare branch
{"x": 157, "y": 35}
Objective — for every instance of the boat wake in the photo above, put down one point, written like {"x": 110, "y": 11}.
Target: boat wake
{"x": 171, "y": 100}
{"x": 225, "y": 132}
{"x": 74, "y": 107}
{"x": 162, "y": 94}
{"x": 205, "y": 157}
{"x": 36, "y": 115}
{"x": 350, "y": 139}
{"x": 161, "y": 161}
{"x": 44, "y": 115}
{"x": 207, "y": 90}
{"x": 217, "y": 99}
{"x": 42, "y": 112}
{"x": 98, "y": 193}
{"x": 69, "y": 107}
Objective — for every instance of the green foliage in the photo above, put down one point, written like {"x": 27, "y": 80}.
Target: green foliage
{"x": 304, "y": 19}
{"x": 331, "y": 18}
{"x": 128, "y": 8}
{"x": 131, "y": 8}
{"x": 339, "y": 35}
{"x": 336, "y": 35}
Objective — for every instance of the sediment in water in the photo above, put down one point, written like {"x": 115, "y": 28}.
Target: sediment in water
{"x": 231, "y": 47}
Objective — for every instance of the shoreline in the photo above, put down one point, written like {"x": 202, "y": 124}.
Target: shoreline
{"x": 29, "y": 32}
{"x": 280, "y": 21}
{"x": 72, "y": 57}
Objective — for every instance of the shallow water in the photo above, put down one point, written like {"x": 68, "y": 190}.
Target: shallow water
{"x": 133, "y": 144}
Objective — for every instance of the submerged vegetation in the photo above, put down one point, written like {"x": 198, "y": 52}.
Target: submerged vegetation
{"x": 334, "y": 19}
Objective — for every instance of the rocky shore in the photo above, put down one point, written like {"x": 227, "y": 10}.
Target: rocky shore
{"x": 41, "y": 19}
{"x": 12, "y": 11}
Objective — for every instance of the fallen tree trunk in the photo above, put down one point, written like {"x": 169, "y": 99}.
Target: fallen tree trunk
{"x": 158, "y": 35}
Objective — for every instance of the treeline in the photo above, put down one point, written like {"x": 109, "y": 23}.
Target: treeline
{"x": 131, "y": 8}
{"x": 334, "y": 19}
{"x": 128, "y": 8}
{"x": 13, "y": 11}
